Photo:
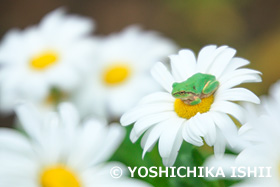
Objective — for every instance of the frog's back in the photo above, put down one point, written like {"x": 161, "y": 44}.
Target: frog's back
{"x": 196, "y": 82}
{"x": 201, "y": 77}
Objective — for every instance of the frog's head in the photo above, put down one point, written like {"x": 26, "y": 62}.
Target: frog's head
{"x": 180, "y": 90}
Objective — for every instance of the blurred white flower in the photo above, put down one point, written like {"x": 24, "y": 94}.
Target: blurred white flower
{"x": 59, "y": 151}
{"x": 270, "y": 105}
{"x": 262, "y": 132}
{"x": 161, "y": 116}
{"x": 45, "y": 61}
{"x": 121, "y": 73}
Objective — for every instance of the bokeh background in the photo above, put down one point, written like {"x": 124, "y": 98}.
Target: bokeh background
{"x": 250, "y": 26}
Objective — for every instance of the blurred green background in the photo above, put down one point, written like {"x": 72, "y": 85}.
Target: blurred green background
{"x": 250, "y": 26}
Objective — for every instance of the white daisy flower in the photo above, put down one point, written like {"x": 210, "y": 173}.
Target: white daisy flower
{"x": 122, "y": 64}
{"x": 270, "y": 105}
{"x": 58, "y": 151}
{"x": 46, "y": 61}
{"x": 200, "y": 107}
{"x": 262, "y": 131}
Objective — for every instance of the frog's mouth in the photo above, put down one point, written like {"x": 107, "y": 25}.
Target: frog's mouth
{"x": 184, "y": 95}
{"x": 179, "y": 94}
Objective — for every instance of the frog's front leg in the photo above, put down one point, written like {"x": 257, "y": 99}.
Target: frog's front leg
{"x": 210, "y": 87}
{"x": 196, "y": 101}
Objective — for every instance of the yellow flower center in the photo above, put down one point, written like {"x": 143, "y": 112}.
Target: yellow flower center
{"x": 59, "y": 176}
{"x": 187, "y": 111}
{"x": 116, "y": 74}
{"x": 43, "y": 60}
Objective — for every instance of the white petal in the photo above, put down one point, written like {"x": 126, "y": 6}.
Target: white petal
{"x": 226, "y": 126}
{"x": 69, "y": 117}
{"x": 74, "y": 26}
{"x": 142, "y": 127}
{"x": 247, "y": 136}
{"x": 237, "y": 73}
{"x": 30, "y": 119}
{"x": 208, "y": 124}
{"x": 221, "y": 61}
{"x": 157, "y": 97}
{"x": 11, "y": 164}
{"x": 170, "y": 141}
{"x": 195, "y": 130}
{"x": 82, "y": 147}
{"x": 132, "y": 136}
{"x": 235, "y": 63}
{"x": 220, "y": 145}
{"x": 237, "y": 94}
{"x": 240, "y": 80}
{"x": 69, "y": 73}
{"x": 183, "y": 65}
{"x": 244, "y": 129}
{"x": 52, "y": 20}
{"x": 22, "y": 182}
{"x": 176, "y": 68}
{"x": 199, "y": 126}
{"x": 175, "y": 150}
{"x": 163, "y": 76}
{"x": 113, "y": 139}
{"x": 230, "y": 108}
{"x": 206, "y": 57}
{"x": 152, "y": 135}
{"x": 191, "y": 133}
{"x": 257, "y": 155}
{"x": 146, "y": 122}
{"x": 56, "y": 23}
{"x": 188, "y": 64}
{"x": 12, "y": 140}
{"x": 239, "y": 76}
{"x": 143, "y": 110}
{"x": 145, "y": 138}
{"x": 10, "y": 43}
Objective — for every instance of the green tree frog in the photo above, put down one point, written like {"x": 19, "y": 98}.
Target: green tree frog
{"x": 198, "y": 86}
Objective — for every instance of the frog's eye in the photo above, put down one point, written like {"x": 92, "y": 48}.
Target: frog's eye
{"x": 182, "y": 92}
{"x": 193, "y": 87}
